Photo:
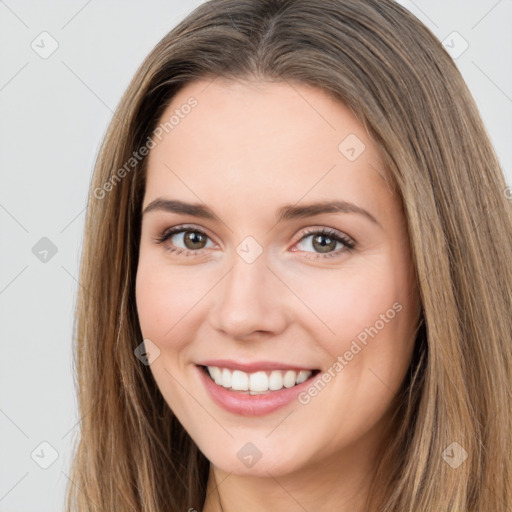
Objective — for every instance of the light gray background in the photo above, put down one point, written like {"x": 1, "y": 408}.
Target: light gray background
{"x": 54, "y": 112}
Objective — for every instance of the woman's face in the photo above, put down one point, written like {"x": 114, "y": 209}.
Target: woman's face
{"x": 250, "y": 282}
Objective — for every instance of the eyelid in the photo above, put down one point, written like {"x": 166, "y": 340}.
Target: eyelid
{"x": 348, "y": 242}
{"x": 164, "y": 235}
{"x": 325, "y": 230}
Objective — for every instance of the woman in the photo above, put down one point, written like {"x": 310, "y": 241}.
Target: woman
{"x": 296, "y": 274}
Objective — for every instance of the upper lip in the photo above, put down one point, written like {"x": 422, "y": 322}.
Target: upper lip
{"x": 249, "y": 367}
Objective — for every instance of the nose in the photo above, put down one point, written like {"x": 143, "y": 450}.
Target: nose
{"x": 250, "y": 301}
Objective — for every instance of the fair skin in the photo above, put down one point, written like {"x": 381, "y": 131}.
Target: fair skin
{"x": 245, "y": 150}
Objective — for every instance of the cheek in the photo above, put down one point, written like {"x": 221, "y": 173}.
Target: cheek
{"x": 365, "y": 314}
{"x": 154, "y": 301}
{"x": 163, "y": 296}
{"x": 342, "y": 304}
{"x": 367, "y": 326}
{"x": 171, "y": 305}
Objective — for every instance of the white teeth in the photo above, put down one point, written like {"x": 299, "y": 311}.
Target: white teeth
{"x": 258, "y": 382}
{"x": 303, "y": 376}
{"x": 239, "y": 381}
{"x": 275, "y": 381}
{"x": 216, "y": 374}
{"x": 226, "y": 378}
{"x": 289, "y": 379}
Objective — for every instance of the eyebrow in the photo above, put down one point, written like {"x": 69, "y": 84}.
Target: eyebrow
{"x": 286, "y": 212}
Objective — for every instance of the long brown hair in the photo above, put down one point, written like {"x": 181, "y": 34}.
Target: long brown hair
{"x": 377, "y": 58}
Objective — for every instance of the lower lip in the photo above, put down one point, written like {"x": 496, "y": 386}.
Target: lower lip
{"x": 244, "y": 404}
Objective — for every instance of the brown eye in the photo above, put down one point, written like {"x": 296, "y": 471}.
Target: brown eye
{"x": 194, "y": 240}
{"x": 323, "y": 243}
{"x": 182, "y": 239}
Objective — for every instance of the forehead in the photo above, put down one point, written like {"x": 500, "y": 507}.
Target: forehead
{"x": 262, "y": 139}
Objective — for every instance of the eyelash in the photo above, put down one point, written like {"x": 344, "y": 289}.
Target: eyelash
{"x": 348, "y": 243}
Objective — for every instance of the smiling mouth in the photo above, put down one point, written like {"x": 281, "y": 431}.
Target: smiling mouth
{"x": 259, "y": 382}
